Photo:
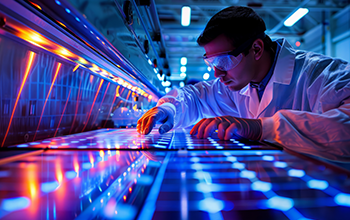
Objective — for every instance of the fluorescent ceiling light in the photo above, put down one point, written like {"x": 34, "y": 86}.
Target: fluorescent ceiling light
{"x": 185, "y": 16}
{"x": 183, "y": 60}
{"x": 206, "y": 76}
{"x": 296, "y": 16}
{"x": 183, "y": 69}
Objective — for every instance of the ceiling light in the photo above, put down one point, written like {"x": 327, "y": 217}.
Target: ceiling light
{"x": 183, "y": 75}
{"x": 183, "y": 60}
{"x": 181, "y": 84}
{"x": 296, "y": 16}
{"x": 209, "y": 68}
{"x": 183, "y": 69}
{"x": 185, "y": 16}
{"x": 206, "y": 76}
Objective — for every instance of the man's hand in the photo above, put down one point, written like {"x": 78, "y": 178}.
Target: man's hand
{"x": 228, "y": 127}
{"x": 164, "y": 114}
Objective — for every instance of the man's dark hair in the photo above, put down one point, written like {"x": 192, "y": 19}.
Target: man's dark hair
{"x": 237, "y": 23}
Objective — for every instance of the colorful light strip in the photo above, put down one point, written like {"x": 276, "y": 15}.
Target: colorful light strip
{"x": 29, "y": 66}
{"x": 38, "y": 40}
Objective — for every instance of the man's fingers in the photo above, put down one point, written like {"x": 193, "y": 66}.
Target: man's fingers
{"x": 230, "y": 131}
{"x": 222, "y": 129}
{"x": 212, "y": 126}
{"x": 202, "y": 127}
{"x": 194, "y": 130}
{"x": 150, "y": 124}
{"x": 146, "y": 123}
{"x": 169, "y": 124}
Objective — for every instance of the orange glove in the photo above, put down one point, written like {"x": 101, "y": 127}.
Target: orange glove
{"x": 164, "y": 114}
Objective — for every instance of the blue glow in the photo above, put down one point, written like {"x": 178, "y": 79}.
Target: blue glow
{"x": 194, "y": 159}
{"x": 91, "y": 32}
{"x": 342, "y": 199}
{"x": 317, "y": 184}
{"x": 296, "y": 16}
{"x": 185, "y": 16}
{"x": 71, "y": 174}
{"x": 247, "y": 174}
{"x": 82, "y": 146}
{"x": 22, "y": 145}
{"x": 296, "y": 173}
{"x": 238, "y": 165}
{"x": 46, "y": 142}
{"x": 280, "y": 164}
{"x": 64, "y": 144}
{"x": 86, "y": 166}
{"x": 15, "y": 204}
{"x": 246, "y": 147}
{"x": 58, "y": 2}
{"x": 67, "y": 10}
{"x": 34, "y": 143}
{"x": 219, "y": 147}
{"x": 76, "y": 18}
{"x": 49, "y": 186}
{"x": 145, "y": 180}
{"x": 280, "y": 203}
{"x": 231, "y": 158}
{"x": 268, "y": 158}
{"x": 74, "y": 142}
{"x": 211, "y": 205}
{"x": 261, "y": 186}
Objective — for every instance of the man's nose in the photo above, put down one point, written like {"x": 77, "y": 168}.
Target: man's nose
{"x": 219, "y": 73}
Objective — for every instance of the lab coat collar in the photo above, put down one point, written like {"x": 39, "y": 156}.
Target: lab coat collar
{"x": 282, "y": 74}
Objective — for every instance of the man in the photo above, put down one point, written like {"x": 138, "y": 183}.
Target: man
{"x": 264, "y": 91}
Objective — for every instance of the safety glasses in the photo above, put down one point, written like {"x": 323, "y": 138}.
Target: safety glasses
{"x": 228, "y": 60}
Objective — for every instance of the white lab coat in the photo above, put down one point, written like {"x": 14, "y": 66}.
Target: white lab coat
{"x": 305, "y": 106}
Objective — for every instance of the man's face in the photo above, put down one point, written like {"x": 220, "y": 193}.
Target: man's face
{"x": 238, "y": 77}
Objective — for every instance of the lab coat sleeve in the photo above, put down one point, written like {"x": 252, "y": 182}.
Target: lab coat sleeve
{"x": 325, "y": 132}
{"x": 202, "y": 100}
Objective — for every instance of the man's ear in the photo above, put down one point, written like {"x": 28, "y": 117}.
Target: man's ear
{"x": 258, "y": 48}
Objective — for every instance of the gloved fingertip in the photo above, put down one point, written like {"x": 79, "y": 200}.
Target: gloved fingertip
{"x": 163, "y": 129}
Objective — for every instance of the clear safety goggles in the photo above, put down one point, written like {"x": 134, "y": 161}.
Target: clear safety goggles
{"x": 223, "y": 62}
{"x": 228, "y": 60}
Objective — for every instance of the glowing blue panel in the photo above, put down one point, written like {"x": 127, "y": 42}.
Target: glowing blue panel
{"x": 194, "y": 159}
{"x": 67, "y": 10}
{"x": 86, "y": 166}
{"x": 268, "y": 158}
{"x": 71, "y": 174}
{"x": 58, "y": 2}
{"x": 280, "y": 164}
{"x": 49, "y": 186}
{"x": 15, "y": 204}
{"x": 34, "y": 143}
{"x": 342, "y": 199}
{"x": 211, "y": 205}
{"x": 247, "y": 174}
{"x": 261, "y": 186}
{"x": 82, "y": 147}
{"x": 280, "y": 203}
{"x": 231, "y": 158}
{"x": 76, "y": 18}
{"x": 296, "y": 173}
{"x": 238, "y": 165}
{"x": 22, "y": 145}
{"x": 317, "y": 184}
